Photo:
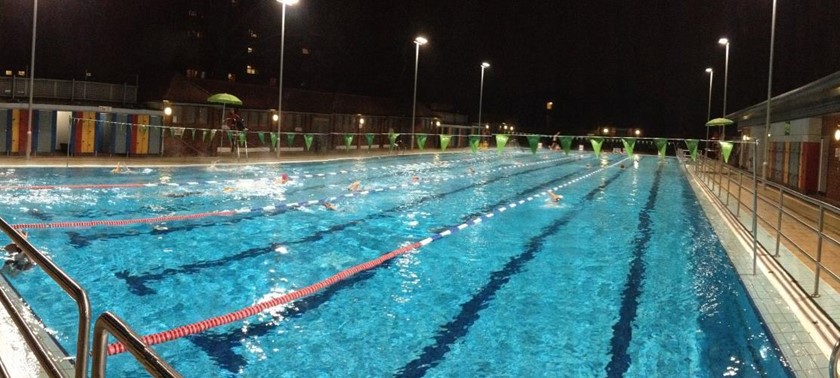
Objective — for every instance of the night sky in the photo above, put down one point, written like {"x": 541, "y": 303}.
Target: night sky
{"x": 602, "y": 63}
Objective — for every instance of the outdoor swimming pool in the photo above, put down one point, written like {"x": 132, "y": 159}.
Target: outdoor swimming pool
{"x": 623, "y": 277}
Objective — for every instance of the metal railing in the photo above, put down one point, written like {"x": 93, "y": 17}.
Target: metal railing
{"x": 110, "y": 323}
{"x": 784, "y": 213}
{"x": 832, "y": 361}
{"x": 18, "y": 88}
{"x": 70, "y": 287}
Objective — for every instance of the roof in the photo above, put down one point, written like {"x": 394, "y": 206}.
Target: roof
{"x": 814, "y": 99}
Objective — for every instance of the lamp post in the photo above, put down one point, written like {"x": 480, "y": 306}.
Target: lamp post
{"x": 280, "y": 78}
{"x": 31, "y": 80}
{"x": 725, "y": 41}
{"x": 709, "y": 108}
{"x": 769, "y": 96}
{"x": 481, "y": 90}
{"x": 417, "y": 42}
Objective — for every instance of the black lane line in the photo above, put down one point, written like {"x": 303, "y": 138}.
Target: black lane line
{"x": 623, "y": 329}
{"x": 449, "y": 333}
{"x": 137, "y": 284}
{"x": 220, "y": 346}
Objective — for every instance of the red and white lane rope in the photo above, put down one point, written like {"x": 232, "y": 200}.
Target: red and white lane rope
{"x": 226, "y": 213}
{"x": 191, "y": 329}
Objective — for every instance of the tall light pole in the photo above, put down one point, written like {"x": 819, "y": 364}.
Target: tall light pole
{"x": 481, "y": 91}
{"x": 280, "y": 78}
{"x": 725, "y": 41}
{"x": 31, "y": 80}
{"x": 417, "y": 42}
{"x": 711, "y": 73}
{"x": 769, "y": 96}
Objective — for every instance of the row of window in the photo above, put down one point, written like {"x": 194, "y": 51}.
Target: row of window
{"x": 20, "y": 73}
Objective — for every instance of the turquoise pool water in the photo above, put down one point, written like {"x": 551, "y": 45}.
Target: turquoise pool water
{"x": 623, "y": 277}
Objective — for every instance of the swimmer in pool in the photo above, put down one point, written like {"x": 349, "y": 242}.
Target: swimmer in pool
{"x": 355, "y": 186}
{"x": 555, "y": 197}
{"x": 330, "y": 206}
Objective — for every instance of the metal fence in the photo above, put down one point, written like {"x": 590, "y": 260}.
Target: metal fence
{"x": 16, "y": 88}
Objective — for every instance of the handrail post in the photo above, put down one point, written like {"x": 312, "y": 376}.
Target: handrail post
{"x": 110, "y": 323}
{"x": 73, "y": 290}
{"x": 755, "y": 214}
{"x": 816, "y": 293}
{"x": 781, "y": 204}
{"x": 728, "y": 181}
{"x": 740, "y": 184}
{"x": 832, "y": 361}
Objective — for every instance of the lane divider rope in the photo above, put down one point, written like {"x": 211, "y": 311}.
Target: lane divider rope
{"x": 226, "y": 213}
{"x": 191, "y": 329}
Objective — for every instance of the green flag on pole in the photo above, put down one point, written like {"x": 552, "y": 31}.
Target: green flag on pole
{"x": 501, "y": 141}
{"x": 661, "y": 144}
{"x": 392, "y": 140}
{"x": 307, "y": 138}
{"x": 290, "y": 138}
{"x": 726, "y": 147}
{"x": 566, "y": 143}
{"x": 692, "y": 147}
{"x": 421, "y": 141}
{"x": 348, "y": 140}
{"x": 474, "y": 139}
{"x": 369, "y": 137}
{"x": 629, "y": 143}
{"x": 444, "y": 141}
{"x": 596, "y": 145}
{"x": 533, "y": 142}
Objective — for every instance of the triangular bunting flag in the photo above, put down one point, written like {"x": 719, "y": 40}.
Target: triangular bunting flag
{"x": 692, "y": 148}
{"x": 596, "y": 145}
{"x": 444, "y": 141}
{"x": 726, "y": 147}
{"x": 629, "y": 143}
{"x": 421, "y": 141}
{"x": 501, "y": 141}
{"x": 348, "y": 141}
{"x": 307, "y": 138}
{"x": 533, "y": 142}
{"x": 474, "y": 139}
{"x": 369, "y": 137}
{"x": 566, "y": 143}
{"x": 661, "y": 145}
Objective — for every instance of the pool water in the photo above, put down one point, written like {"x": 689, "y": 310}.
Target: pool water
{"x": 623, "y": 277}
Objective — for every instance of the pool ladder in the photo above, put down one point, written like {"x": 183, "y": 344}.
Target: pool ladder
{"x": 106, "y": 322}
{"x": 832, "y": 361}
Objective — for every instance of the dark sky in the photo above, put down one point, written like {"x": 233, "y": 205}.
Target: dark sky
{"x": 602, "y": 62}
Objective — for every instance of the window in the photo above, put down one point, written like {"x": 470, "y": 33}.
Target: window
{"x": 192, "y": 73}
{"x": 193, "y": 13}
{"x": 8, "y": 72}
{"x": 252, "y": 33}
{"x": 231, "y": 77}
{"x": 250, "y": 50}
{"x": 304, "y": 51}
{"x": 250, "y": 70}
{"x": 21, "y": 73}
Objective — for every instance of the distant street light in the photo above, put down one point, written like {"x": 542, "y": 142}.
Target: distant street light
{"x": 769, "y": 91}
{"x": 31, "y": 80}
{"x": 417, "y": 42}
{"x": 725, "y": 41}
{"x": 280, "y": 78}
{"x": 481, "y": 90}
{"x": 359, "y": 137}
{"x": 709, "y": 110}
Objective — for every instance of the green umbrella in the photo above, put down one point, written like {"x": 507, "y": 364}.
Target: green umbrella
{"x": 224, "y": 99}
{"x": 720, "y": 122}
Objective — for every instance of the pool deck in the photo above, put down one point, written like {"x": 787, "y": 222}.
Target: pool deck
{"x": 803, "y": 331}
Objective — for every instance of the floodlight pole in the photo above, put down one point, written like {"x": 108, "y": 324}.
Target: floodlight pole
{"x": 31, "y": 80}
{"x": 766, "y": 148}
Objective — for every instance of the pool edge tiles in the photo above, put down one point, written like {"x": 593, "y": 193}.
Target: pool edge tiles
{"x": 805, "y": 356}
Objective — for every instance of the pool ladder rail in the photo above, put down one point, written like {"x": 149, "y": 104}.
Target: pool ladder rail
{"x": 106, "y": 322}
{"x": 832, "y": 361}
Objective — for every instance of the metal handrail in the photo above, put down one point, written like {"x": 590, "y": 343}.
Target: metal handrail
{"x": 71, "y": 287}
{"x": 832, "y": 361}
{"x": 47, "y": 363}
{"x": 110, "y": 323}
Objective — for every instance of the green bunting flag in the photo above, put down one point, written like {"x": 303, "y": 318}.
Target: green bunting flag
{"x": 290, "y": 138}
{"x": 230, "y": 137}
{"x": 143, "y": 129}
{"x": 692, "y": 147}
{"x": 193, "y": 133}
{"x": 661, "y": 144}
{"x": 212, "y": 134}
{"x": 566, "y": 143}
{"x": 274, "y": 141}
{"x": 307, "y": 139}
{"x": 241, "y": 139}
{"x": 629, "y": 143}
{"x": 421, "y": 141}
{"x": 474, "y": 139}
{"x": 596, "y": 145}
{"x": 348, "y": 140}
{"x": 261, "y": 135}
{"x": 533, "y": 142}
{"x": 369, "y": 137}
{"x": 444, "y": 141}
{"x": 726, "y": 147}
{"x": 392, "y": 140}
{"x": 501, "y": 141}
